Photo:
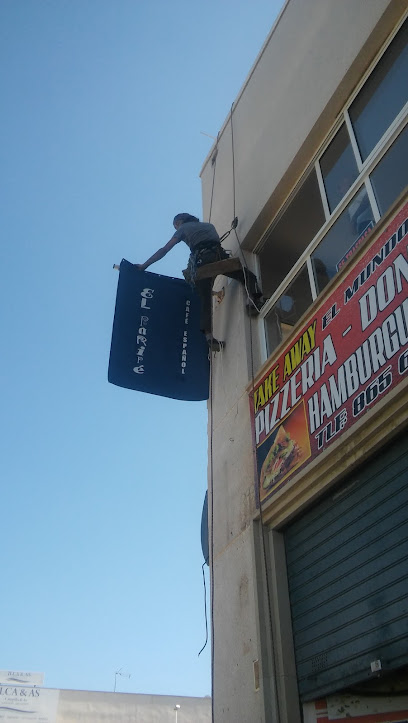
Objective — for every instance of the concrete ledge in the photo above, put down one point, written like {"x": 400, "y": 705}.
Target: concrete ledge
{"x": 210, "y": 271}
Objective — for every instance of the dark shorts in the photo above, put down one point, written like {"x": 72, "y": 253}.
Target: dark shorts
{"x": 204, "y": 254}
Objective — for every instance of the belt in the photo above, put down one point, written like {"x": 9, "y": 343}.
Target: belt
{"x": 204, "y": 245}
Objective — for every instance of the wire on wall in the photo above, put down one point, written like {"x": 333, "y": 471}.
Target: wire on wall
{"x": 211, "y": 438}
{"x": 205, "y": 610}
{"x": 214, "y": 163}
{"x": 211, "y": 535}
{"x": 243, "y": 259}
{"x": 251, "y": 346}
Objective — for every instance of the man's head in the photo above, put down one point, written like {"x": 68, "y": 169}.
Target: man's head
{"x": 183, "y": 218}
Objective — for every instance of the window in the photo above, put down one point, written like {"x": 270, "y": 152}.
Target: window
{"x": 339, "y": 168}
{"x": 341, "y": 198}
{"x": 288, "y": 310}
{"x": 391, "y": 175}
{"x": 342, "y": 239}
{"x": 292, "y": 234}
{"x": 382, "y": 96}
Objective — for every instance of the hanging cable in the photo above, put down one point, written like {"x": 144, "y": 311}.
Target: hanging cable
{"x": 234, "y": 225}
{"x": 233, "y": 162}
{"x": 205, "y": 610}
{"x": 211, "y": 477}
{"x": 214, "y": 163}
{"x": 211, "y": 480}
{"x": 211, "y": 535}
{"x": 211, "y": 435}
{"x": 261, "y": 520}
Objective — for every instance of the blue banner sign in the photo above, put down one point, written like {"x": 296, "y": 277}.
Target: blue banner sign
{"x": 157, "y": 346}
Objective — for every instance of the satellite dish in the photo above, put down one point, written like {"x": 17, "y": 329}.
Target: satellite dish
{"x": 204, "y": 530}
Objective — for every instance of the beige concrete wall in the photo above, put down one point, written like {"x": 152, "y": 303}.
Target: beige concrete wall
{"x": 235, "y": 610}
{"x": 310, "y": 64}
{"x": 306, "y": 71}
{"x": 84, "y": 706}
{"x": 236, "y": 646}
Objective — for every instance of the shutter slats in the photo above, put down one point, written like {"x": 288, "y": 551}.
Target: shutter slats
{"x": 347, "y": 561}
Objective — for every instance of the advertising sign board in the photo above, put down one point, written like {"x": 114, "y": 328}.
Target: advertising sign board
{"x": 346, "y": 358}
{"x": 24, "y": 703}
{"x": 21, "y": 677}
{"x": 357, "y": 709}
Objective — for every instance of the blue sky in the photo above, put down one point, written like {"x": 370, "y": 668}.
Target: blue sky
{"x": 102, "y": 104}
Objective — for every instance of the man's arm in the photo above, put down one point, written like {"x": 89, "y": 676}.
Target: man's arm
{"x": 159, "y": 254}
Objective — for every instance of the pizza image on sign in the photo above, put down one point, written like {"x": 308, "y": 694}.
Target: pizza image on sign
{"x": 281, "y": 457}
{"x": 286, "y": 448}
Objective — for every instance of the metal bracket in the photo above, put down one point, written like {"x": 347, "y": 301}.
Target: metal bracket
{"x": 219, "y": 295}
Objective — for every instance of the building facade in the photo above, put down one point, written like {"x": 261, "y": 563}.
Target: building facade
{"x": 20, "y": 703}
{"x": 308, "y": 469}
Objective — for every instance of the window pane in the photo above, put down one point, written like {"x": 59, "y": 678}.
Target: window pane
{"x": 288, "y": 310}
{"x": 383, "y": 95}
{"x": 391, "y": 175}
{"x": 291, "y": 235}
{"x": 343, "y": 238}
{"x": 339, "y": 167}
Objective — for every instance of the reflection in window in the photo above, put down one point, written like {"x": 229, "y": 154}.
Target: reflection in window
{"x": 391, "y": 175}
{"x": 288, "y": 310}
{"x": 383, "y": 95}
{"x": 292, "y": 234}
{"x": 339, "y": 168}
{"x": 344, "y": 237}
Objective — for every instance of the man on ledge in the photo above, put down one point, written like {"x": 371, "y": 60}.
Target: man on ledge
{"x": 205, "y": 248}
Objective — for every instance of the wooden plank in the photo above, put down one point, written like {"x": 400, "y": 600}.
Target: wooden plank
{"x": 217, "y": 268}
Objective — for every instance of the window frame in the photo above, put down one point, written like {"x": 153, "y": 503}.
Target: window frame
{"x": 364, "y": 169}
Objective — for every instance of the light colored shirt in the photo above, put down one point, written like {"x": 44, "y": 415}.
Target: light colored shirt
{"x": 194, "y": 233}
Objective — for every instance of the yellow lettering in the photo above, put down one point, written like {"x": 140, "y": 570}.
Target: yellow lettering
{"x": 275, "y": 379}
{"x": 261, "y": 398}
{"x": 305, "y": 344}
{"x": 287, "y": 369}
{"x": 268, "y": 388}
{"x": 312, "y": 334}
{"x": 256, "y": 400}
{"x": 295, "y": 354}
{"x": 299, "y": 350}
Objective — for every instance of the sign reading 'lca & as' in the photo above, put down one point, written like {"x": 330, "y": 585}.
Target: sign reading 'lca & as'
{"x": 350, "y": 354}
{"x": 20, "y": 703}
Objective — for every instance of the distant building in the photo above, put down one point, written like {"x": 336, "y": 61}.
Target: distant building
{"x": 309, "y": 402}
{"x": 76, "y": 706}
{"x": 45, "y": 705}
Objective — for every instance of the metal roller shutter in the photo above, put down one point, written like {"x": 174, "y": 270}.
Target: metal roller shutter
{"x": 347, "y": 561}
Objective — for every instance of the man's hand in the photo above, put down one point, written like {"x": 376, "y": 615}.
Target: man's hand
{"x": 158, "y": 255}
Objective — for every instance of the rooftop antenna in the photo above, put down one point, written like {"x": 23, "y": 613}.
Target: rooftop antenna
{"x": 208, "y": 135}
{"x": 124, "y": 675}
